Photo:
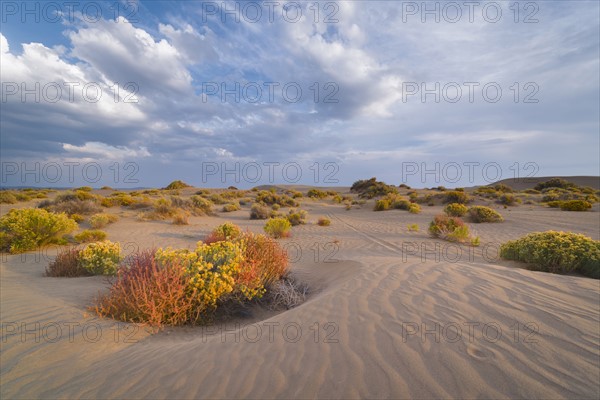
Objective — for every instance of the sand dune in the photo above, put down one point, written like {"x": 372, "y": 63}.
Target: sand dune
{"x": 382, "y": 322}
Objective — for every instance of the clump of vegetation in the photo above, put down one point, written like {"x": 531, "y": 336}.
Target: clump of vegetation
{"x": 452, "y": 229}
{"x": 316, "y": 194}
{"x": 201, "y": 205}
{"x": 7, "y": 197}
{"x": 392, "y": 201}
{"x": 371, "y": 188}
{"x": 181, "y": 217}
{"x": 414, "y": 208}
{"x": 66, "y": 264}
{"x": 509, "y": 199}
{"x": 175, "y": 287}
{"x": 574, "y": 205}
{"x": 455, "y": 197}
{"x": 554, "y": 183}
{"x": 270, "y": 198}
{"x": 323, "y": 221}
{"x": 101, "y": 258}
{"x": 226, "y": 231}
{"x": 456, "y": 210}
{"x": 480, "y": 214}
{"x": 176, "y": 185}
{"x": 29, "y": 228}
{"x": 258, "y": 211}
{"x": 557, "y": 252}
{"x": 88, "y": 236}
{"x": 413, "y": 227}
{"x": 278, "y": 227}
{"x": 296, "y": 217}
{"x": 98, "y": 221}
{"x": 231, "y": 207}
{"x": 77, "y": 217}
{"x": 80, "y": 202}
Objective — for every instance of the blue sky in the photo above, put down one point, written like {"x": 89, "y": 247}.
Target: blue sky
{"x": 245, "y": 93}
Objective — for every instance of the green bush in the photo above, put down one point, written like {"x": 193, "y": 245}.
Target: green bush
{"x": 28, "y": 228}
{"x": 231, "y": 207}
{"x": 456, "y": 197}
{"x": 323, "y": 221}
{"x": 575, "y": 205}
{"x": 7, "y": 197}
{"x": 456, "y": 210}
{"x": 278, "y": 227}
{"x": 554, "y": 183}
{"x": 414, "y": 208}
{"x": 101, "y": 220}
{"x": 316, "y": 194}
{"x": 480, "y": 214}
{"x": 101, "y": 258}
{"x": 448, "y": 228}
{"x": 270, "y": 198}
{"x": 296, "y": 217}
{"x": 372, "y": 188}
{"x": 202, "y": 205}
{"x": 508, "y": 199}
{"x": 88, "y": 236}
{"x": 558, "y": 252}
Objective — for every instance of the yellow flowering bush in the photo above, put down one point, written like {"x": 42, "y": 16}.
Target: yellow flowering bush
{"x": 456, "y": 209}
{"x": 101, "y": 258}
{"x": 278, "y": 227}
{"x": 480, "y": 214}
{"x": 558, "y": 252}
{"x": 101, "y": 220}
{"x": 28, "y": 228}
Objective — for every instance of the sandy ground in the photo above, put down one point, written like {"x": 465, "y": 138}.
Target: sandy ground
{"x": 393, "y": 314}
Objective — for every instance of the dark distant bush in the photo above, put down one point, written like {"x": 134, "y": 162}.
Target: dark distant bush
{"x": 175, "y": 185}
{"x": 555, "y": 183}
{"x": 372, "y": 188}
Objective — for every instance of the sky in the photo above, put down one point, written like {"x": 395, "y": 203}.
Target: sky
{"x": 247, "y": 93}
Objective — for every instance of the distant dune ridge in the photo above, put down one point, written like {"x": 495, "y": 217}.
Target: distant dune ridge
{"x": 529, "y": 183}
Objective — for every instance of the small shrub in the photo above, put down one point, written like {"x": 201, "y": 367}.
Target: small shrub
{"x": 414, "y": 208}
{"x": 101, "y": 220}
{"x": 296, "y": 217}
{"x": 202, "y": 205}
{"x": 372, "y": 188}
{"x": 316, "y": 194}
{"x": 231, "y": 207}
{"x": 101, "y": 258}
{"x": 77, "y": 217}
{"x": 413, "y": 227}
{"x": 88, "y": 236}
{"x": 480, "y": 214}
{"x": 456, "y": 210}
{"x": 575, "y": 205}
{"x": 456, "y": 197}
{"x": 554, "y": 183}
{"x": 508, "y": 199}
{"x": 258, "y": 211}
{"x": 181, "y": 217}
{"x": 382, "y": 205}
{"x": 7, "y": 197}
{"x": 28, "y": 228}
{"x": 554, "y": 204}
{"x": 278, "y": 227}
{"x": 270, "y": 198}
{"x": 557, "y": 252}
{"x": 226, "y": 231}
{"x": 452, "y": 229}
{"x": 175, "y": 185}
{"x": 323, "y": 221}
{"x": 66, "y": 264}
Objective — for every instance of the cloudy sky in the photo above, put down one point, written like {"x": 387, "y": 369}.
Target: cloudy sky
{"x": 132, "y": 94}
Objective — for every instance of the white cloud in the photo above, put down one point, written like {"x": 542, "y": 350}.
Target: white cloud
{"x": 106, "y": 151}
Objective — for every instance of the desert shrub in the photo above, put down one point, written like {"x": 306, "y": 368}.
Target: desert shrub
{"x": 287, "y": 293}
{"x": 554, "y": 183}
{"x": 456, "y": 210}
{"x": 501, "y": 187}
{"x": 392, "y": 201}
{"x": 231, "y": 207}
{"x": 244, "y": 201}
{"x": 66, "y": 264}
{"x": 480, "y": 214}
{"x": 258, "y": 211}
{"x": 575, "y": 205}
{"x": 101, "y": 258}
{"x": 413, "y": 227}
{"x": 508, "y": 199}
{"x": 108, "y": 202}
{"x": 226, "y": 231}
{"x": 85, "y": 188}
{"x": 278, "y": 227}
{"x": 316, "y": 194}
{"x": 28, "y": 228}
{"x": 270, "y": 198}
{"x": 175, "y": 185}
{"x": 263, "y": 257}
{"x": 558, "y": 252}
{"x": 531, "y": 191}
{"x": 146, "y": 291}
{"x": 181, "y": 217}
{"x": 98, "y": 221}
{"x": 77, "y": 217}
{"x": 323, "y": 221}
{"x": 404, "y": 186}
{"x": 372, "y": 188}
{"x": 414, "y": 208}
{"x": 382, "y": 205}
{"x": 296, "y": 217}
{"x": 452, "y": 229}
{"x": 88, "y": 236}
{"x": 456, "y": 197}
{"x": 203, "y": 205}
{"x": 7, "y": 197}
